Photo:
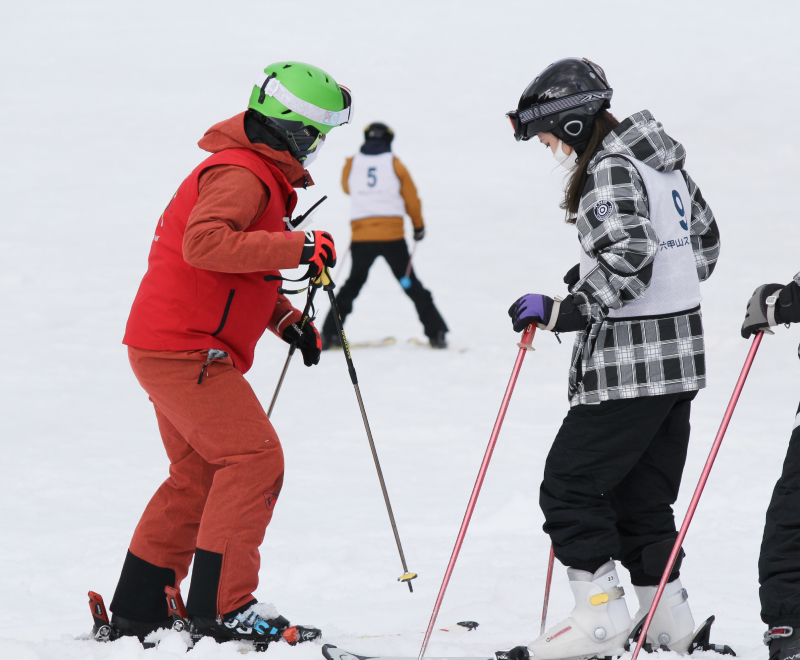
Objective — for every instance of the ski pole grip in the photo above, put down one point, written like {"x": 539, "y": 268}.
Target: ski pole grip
{"x": 527, "y": 338}
{"x": 325, "y": 280}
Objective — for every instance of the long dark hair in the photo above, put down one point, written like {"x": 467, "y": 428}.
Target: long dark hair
{"x": 604, "y": 123}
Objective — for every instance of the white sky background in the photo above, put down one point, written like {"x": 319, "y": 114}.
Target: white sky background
{"x": 101, "y": 106}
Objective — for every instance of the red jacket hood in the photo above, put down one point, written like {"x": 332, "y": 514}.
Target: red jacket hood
{"x": 229, "y": 134}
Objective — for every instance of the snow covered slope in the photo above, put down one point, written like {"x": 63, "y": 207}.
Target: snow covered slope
{"x": 102, "y": 106}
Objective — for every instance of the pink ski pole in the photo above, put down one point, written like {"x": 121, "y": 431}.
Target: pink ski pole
{"x": 547, "y": 588}
{"x": 524, "y": 346}
{"x": 699, "y": 490}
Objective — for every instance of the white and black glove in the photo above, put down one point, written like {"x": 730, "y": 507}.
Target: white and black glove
{"x": 419, "y": 234}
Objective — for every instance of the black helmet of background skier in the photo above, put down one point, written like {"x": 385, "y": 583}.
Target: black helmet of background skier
{"x": 379, "y": 131}
{"x": 563, "y": 100}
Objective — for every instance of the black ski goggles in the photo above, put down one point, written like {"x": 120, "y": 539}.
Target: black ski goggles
{"x": 544, "y": 117}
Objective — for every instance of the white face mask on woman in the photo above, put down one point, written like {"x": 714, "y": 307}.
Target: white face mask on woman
{"x": 567, "y": 161}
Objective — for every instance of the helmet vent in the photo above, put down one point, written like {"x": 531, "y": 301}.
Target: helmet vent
{"x": 286, "y": 112}
{"x": 309, "y": 74}
{"x": 286, "y": 66}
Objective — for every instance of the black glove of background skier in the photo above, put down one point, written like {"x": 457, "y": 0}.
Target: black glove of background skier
{"x": 307, "y": 340}
{"x": 759, "y": 315}
{"x": 419, "y": 234}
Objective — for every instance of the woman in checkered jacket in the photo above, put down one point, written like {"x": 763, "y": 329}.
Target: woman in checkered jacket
{"x": 647, "y": 239}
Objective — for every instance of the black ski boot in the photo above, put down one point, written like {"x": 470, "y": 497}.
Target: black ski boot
{"x": 248, "y": 625}
{"x": 330, "y": 341}
{"x": 439, "y": 341}
{"x": 783, "y": 643}
{"x": 104, "y": 630}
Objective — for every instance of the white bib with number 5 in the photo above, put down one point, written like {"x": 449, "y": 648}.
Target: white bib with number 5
{"x": 374, "y": 187}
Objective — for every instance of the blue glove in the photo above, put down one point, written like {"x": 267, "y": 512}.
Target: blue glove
{"x": 531, "y": 308}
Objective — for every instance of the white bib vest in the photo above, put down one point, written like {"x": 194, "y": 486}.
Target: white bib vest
{"x": 674, "y": 286}
{"x": 374, "y": 187}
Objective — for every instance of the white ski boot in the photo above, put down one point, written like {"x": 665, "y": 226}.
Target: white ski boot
{"x": 599, "y": 624}
{"x": 672, "y": 625}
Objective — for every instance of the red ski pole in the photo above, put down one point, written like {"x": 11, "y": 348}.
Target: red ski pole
{"x": 699, "y": 490}
{"x": 524, "y": 346}
{"x": 547, "y": 588}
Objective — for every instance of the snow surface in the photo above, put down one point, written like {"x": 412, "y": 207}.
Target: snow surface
{"x": 102, "y": 105}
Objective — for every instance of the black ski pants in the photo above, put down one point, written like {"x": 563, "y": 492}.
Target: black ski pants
{"x": 610, "y": 480}
{"x": 396, "y": 255}
{"x": 779, "y": 563}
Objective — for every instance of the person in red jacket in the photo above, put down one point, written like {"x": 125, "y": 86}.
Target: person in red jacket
{"x": 207, "y": 297}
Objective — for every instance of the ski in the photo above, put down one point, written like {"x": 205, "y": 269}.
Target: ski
{"x": 104, "y": 631}
{"x": 386, "y": 341}
{"x": 331, "y": 652}
{"x": 422, "y": 343}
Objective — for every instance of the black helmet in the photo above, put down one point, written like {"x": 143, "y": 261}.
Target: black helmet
{"x": 562, "y": 100}
{"x": 378, "y": 131}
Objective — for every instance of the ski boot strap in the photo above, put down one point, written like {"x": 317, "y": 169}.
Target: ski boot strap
{"x": 776, "y": 633}
{"x": 599, "y": 599}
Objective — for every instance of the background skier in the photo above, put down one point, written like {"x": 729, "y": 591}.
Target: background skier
{"x": 779, "y": 563}
{"x": 200, "y": 309}
{"x": 647, "y": 239}
{"x": 381, "y": 193}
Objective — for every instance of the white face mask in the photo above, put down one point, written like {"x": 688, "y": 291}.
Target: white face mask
{"x": 566, "y": 161}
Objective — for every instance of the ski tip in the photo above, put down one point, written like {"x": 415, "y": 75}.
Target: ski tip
{"x": 331, "y": 652}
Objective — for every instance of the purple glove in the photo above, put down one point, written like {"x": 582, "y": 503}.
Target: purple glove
{"x": 531, "y": 308}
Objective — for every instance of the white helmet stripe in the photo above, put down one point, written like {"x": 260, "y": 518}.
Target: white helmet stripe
{"x": 303, "y": 108}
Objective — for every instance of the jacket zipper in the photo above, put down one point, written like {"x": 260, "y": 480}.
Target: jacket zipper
{"x": 225, "y": 313}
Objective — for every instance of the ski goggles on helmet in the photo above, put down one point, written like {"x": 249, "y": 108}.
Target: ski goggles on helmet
{"x": 271, "y": 86}
{"x": 543, "y": 117}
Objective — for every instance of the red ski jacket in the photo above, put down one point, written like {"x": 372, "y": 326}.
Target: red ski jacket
{"x": 180, "y": 307}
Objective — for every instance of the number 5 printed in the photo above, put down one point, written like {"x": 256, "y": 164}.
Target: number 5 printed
{"x": 371, "y": 178}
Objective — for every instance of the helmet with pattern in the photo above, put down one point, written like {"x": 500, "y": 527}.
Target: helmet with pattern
{"x": 563, "y": 100}
{"x": 300, "y": 103}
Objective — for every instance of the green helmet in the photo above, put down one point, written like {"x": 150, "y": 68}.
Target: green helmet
{"x": 297, "y": 92}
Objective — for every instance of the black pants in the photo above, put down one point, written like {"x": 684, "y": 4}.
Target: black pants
{"x": 779, "y": 563}
{"x": 610, "y": 481}
{"x": 396, "y": 255}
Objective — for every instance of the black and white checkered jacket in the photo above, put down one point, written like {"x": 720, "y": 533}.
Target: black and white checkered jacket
{"x": 623, "y": 358}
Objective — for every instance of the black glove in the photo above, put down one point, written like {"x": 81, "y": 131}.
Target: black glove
{"x": 419, "y": 234}
{"x": 307, "y": 340}
{"x": 573, "y": 276}
{"x": 762, "y": 310}
{"x": 318, "y": 252}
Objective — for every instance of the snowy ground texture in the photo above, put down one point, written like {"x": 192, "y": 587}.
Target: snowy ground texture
{"x": 102, "y": 105}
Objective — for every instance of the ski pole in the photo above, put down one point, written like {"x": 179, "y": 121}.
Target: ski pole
{"x": 405, "y": 281}
{"x": 312, "y": 289}
{"x": 524, "y": 346}
{"x": 329, "y": 286}
{"x": 547, "y": 588}
{"x": 699, "y": 490}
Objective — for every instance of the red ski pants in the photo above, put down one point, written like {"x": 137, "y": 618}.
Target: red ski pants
{"x": 226, "y": 471}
